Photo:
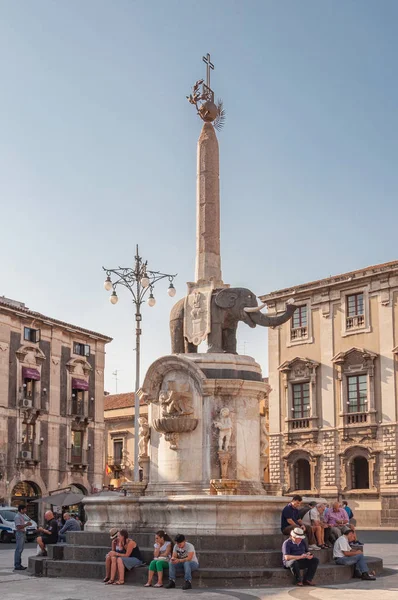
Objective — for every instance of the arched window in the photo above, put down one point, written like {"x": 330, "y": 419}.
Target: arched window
{"x": 360, "y": 473}
{"x": 24, "y": 493}
{"x": 302, "y": 474}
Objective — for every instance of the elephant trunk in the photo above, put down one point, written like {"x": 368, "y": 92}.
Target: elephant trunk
{"x": 269, "y": 321}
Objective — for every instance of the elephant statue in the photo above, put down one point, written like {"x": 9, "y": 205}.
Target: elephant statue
{"x": 228, "y": 307}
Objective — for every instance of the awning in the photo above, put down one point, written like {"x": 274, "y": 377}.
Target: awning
{"x": 79, "y": 384}
{"x": 29, "y": 373}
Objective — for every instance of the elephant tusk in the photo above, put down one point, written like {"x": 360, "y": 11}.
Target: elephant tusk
{"x": 252, "y": 309}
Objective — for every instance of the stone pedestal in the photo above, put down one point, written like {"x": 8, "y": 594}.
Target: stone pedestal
{"x": 189, "y": 445}
{"x": 134, "y": 488}
{"x": 143, "y": 462}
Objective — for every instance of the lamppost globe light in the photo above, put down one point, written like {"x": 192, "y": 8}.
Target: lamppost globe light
{"x": 114, "y": 298}
{"x": 145, "y": 281}
{"x": 108, "y": 284}
{"x": 151, "y": 300}
{"x": 171, "y": 291}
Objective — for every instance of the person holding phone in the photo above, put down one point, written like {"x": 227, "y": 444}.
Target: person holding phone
{"x": 296, "y": 558}
{"x": 20, "y": 525}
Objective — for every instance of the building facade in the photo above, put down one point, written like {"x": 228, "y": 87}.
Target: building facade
{"x": 51, "y": 405}
{"x": 333, "y": 401}
{"x": 119, "y": 438}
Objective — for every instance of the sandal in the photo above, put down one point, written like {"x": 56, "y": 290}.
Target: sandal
{"x": 119, "y": 582}
{"x": 110, "y": 582}
{"x": 148, "y": 585}
{"x": 158, "y": 585}
{"x": 106, "y": 579}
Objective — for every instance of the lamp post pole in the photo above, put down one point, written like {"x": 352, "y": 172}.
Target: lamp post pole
{"x": 138, "y": 280}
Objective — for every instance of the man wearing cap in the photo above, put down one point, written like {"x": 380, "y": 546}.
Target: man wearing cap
{"x": 290, "y": 520}
{"x": 296, "y": 558}
{"x": 343, "y": 554}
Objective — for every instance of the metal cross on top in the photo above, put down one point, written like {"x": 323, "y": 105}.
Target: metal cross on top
{"x": 209, "y": 66}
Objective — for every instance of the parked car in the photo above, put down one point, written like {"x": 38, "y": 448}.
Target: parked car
{"x": 7, "y": 525}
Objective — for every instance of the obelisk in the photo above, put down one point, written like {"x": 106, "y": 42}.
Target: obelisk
{"x": 208, "y": 258}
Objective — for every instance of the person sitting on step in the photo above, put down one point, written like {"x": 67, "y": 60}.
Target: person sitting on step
{"x": 183, "y": 559}
{"x": 313, "y": 519}
{"x": 49, "y": 533}
{"x": 343, "y": 554}
{"x": 70, "y": 525}
{"x": 290, "y": 520}
{"x": 125, "y": 556}
{"x": 296, "y": 558}
{"x": 161, "y": 558}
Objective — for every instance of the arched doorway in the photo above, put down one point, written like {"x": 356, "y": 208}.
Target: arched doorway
{"x": 24, "y": 493}
{"x": 360, "y": 473}
{"x": 302, "y": 474}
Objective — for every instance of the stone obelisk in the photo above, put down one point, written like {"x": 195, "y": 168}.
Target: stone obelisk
{"x": 208, "y": 258}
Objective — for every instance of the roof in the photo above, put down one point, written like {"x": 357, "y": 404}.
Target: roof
{"x": 126, "y": 400}
{"x": 22, "y": 310}
{"x": 372, "y": 270}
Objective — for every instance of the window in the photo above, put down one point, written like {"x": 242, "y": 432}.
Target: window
{"x": 29, "y": 389}
{"x": 31, "y": 335}
{"x": 302, "y": 474}
{"x": 299, "y": 324}
{"x": 360, "y": 473}
{"x": 78, "y": 402}
{"x": 357, "y": 393}
{"x": 355, "y": 311}
{"x": 28, "y": 436}
{"x": 301, "y": 402}
{"x": 118, "y": 451}
{"x": 77, "y": 450}
{"x": 81, "y": 349}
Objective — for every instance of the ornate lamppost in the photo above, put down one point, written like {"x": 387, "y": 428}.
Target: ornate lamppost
{"x": 139, "y": 280}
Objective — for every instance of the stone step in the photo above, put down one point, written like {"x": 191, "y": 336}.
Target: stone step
{"x": 201, "y": 542}
{"x": 209, "y": 558}
{"x": 205, "y": 577}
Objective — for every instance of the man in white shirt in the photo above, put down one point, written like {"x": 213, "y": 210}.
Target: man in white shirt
{"x": 312, "y": 518}
{"x": 184, "y": 559}
{"x": 343, "y": 554}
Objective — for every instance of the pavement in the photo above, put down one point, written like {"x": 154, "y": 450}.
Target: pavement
{"x": 18, "y": 586}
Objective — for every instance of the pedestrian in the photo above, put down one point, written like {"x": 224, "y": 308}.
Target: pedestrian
{"x": 183, "y": 558}
{"x": 343, "y": 554}
{"x": 296, "y": 558}
{"x": 20, "y": 524}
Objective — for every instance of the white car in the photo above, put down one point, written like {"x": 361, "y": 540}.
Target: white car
{"x": 7, "y": 525}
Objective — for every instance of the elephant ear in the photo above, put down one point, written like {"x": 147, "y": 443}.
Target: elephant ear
{"x": 226, "y": 298}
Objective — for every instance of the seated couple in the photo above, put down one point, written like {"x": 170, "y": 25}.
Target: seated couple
{"x": 125, "y": 554}
{"x": 181, "y": 557}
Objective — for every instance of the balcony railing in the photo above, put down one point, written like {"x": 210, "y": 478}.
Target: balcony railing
{"x": 355, "y": 322}
{"x": 77, "y": 407}
{"x": 299, "y": 333}
{"x": 77, "y": 457}
{"x": 30, "y": 452}
{"x": 115, "y": 461}
{"x": 303, "y": 423}
{"x": 358, "y": 417}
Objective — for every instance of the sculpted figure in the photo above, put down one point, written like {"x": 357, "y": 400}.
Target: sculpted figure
{"x": 175, "y": 403}
{"x": 224, "y": 425}
{"x": 228, "y": 307}
{"x": 143, "y": 436}
{"x": 263, "y": 437}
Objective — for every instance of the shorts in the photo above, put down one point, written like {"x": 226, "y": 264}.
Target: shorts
{"x": 48, "y": 539}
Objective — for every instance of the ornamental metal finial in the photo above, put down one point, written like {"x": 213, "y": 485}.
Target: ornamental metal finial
{"x": 202, "y": 97}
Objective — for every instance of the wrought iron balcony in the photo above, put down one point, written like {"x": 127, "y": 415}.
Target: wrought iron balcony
{"x": 77, "y": 457}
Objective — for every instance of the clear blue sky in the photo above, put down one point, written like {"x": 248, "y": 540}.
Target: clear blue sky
{"x": 98, "y": 150}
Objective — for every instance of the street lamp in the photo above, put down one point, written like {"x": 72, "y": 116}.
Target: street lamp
{"x": 139, "y": 281}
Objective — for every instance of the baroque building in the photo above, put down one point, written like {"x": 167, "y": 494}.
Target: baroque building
{"x": 119, "y": 418}
{"x": 333, "y": 375}
{"x": 51, "y": 405}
